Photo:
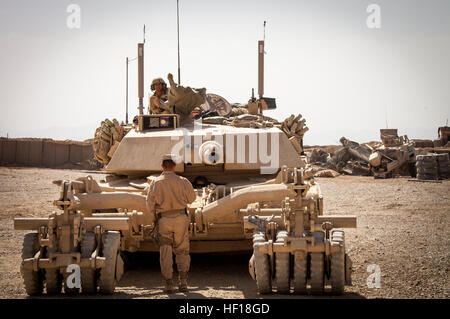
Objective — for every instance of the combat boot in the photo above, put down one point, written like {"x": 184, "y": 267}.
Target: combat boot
{"x": 183, "y": 282}
{"x": 169, "y": 286}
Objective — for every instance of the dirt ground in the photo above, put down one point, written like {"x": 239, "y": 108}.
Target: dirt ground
{"x": 403, "y": 227}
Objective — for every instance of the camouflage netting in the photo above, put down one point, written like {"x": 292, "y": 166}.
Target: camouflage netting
{"x": 106, "y": 140}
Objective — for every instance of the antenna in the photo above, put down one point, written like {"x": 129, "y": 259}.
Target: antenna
{"x": 446, "y": 123}
{"x": 178, "y": 37}
{"x": 126, "y": 94}
{"x": 144, "y": 34}
{"x": 264, "y": 37}
{"x": 385, "y": 115}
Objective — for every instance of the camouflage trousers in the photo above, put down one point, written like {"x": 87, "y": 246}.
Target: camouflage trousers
{"x": 174, "y": 239}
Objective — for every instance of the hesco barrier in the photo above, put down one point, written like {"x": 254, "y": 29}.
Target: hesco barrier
{"x": 40, "y": 152}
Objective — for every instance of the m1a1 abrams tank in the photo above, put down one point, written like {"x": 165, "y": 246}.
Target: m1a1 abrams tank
{"x": 254, "y": 193}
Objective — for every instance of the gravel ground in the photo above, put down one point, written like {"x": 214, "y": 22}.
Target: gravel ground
{"x": 403, "y": 228}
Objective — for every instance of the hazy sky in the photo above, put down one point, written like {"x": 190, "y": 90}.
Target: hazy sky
{"x": 322, "y": 61}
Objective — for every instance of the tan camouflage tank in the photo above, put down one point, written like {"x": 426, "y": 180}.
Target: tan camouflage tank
{"x": 254, "y": 193}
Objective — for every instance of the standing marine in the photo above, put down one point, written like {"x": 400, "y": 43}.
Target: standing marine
{"x": 168, "y": 197}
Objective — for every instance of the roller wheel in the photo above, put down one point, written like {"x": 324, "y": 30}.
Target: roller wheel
{"x": 337, "y": 264}
{"x": 32, "y": 280}
{"x": 88, "y": 275}
{"x": 111, "y": 244}
{"x": 53, "y": 279}
{"x": 262, "y": 268}
{"x": 317, "y": 273}
{"x": 282, "y": 267}
{"x": 300, "y": 272}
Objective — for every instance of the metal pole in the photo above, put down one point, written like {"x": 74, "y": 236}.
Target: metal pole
{"x": 126, "y": 114}
{"x": 178, "y": 36}
{"x": 141, "y": 77}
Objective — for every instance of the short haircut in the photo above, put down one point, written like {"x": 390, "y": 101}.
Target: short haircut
{"x": 168, "y": 164}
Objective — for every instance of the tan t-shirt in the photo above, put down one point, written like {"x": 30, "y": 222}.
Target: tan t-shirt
{"x": 169, "y": 192}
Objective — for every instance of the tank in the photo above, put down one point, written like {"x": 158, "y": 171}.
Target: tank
{"x": 254, "y": 191}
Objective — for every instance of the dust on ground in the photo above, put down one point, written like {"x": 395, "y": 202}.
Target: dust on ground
{"x": 403, "y": 227}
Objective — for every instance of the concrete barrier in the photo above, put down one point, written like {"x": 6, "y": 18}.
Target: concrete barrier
{"x": 8, "y": 150}
{"x": 38, "y": 152}
{"x": 35, "y": 155}
{"x": 48, "y": 153}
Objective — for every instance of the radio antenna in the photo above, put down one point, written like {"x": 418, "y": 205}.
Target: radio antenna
{"x": 385, "y": 115}
{"x": 264, "y": 37}
{"x": 178, "y": 36}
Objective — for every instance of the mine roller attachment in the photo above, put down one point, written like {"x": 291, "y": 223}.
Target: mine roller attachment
{"x": 53, "y": 279}
{"x": 88, "y": 274}
{"x": 32, "y": 279}
{"x": 282, "y": 268}
{"x": 300, "y": 272}
{"x": 316, "y": 270}
{"x": 337, "y": 263}
{"x": 295, "y": 245}
{"x": 262, "y": 268}
{"x": 108, "y": 274}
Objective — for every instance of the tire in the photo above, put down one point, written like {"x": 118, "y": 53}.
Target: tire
{"x": 32, "y": 280}
{"x": 300, "y": 272}
{"x": 282, "y": 267}
{"x": 88, "y": 275}
{"x": 111, "y": 244}
{"x": 316, "y": 273}
{"x": 262, "y": 267}
{"x": 337, "y": 264}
